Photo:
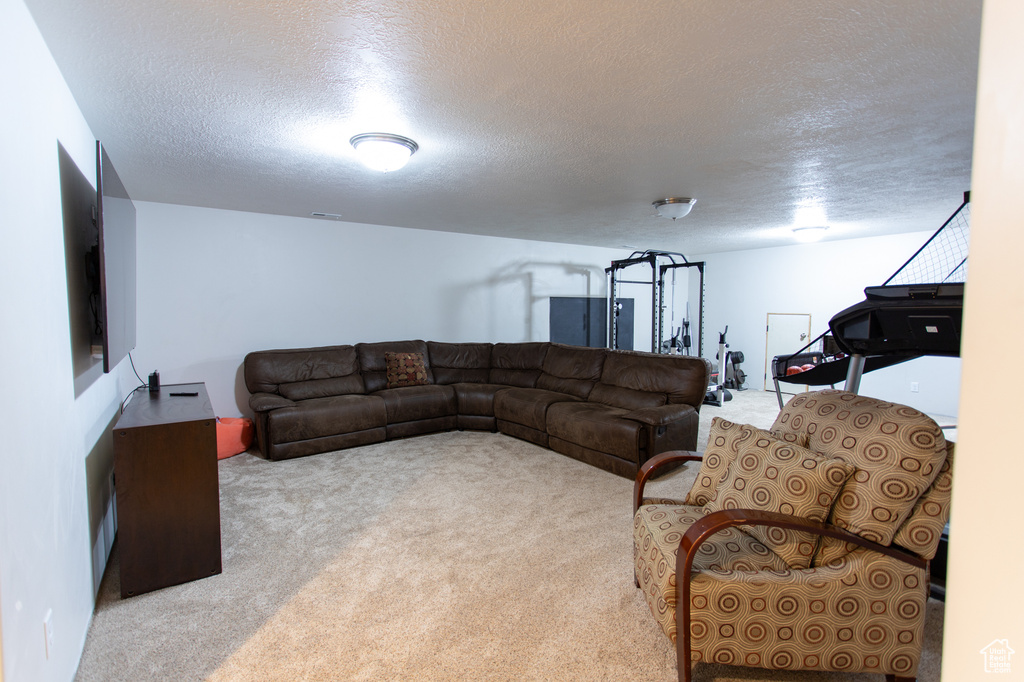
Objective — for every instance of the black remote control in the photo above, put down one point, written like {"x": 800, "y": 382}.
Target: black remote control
{"x": 185, "y": 393}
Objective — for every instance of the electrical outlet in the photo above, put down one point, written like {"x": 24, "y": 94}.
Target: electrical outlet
{"x": 914, "y": 387}
{"x": 48, "y": 631}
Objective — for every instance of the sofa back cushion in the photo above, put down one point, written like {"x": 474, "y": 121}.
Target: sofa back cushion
{"x": 626, "y": 398}
{"x": 517, "y": 364}
{"x": 454, "y": 363}
{"x": 571, "y": 369}
{"x": 373, "y": 363}
{"x": 302, "y": 373}
{"x": 679, "y": 378}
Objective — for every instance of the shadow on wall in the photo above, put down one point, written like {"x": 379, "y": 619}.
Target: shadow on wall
{"x": 99, "y": 467}
{"x": 214, "y": 373}
{"x": 502, "y": 307}
{"x": 507, "y": 300}
{"x": 241, "y": 392}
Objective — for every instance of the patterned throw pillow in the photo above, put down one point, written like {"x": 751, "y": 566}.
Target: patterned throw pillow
{"x": 724, "y": 443}
{"x": 405, "y": 369}
{"x": 772, "y": 475}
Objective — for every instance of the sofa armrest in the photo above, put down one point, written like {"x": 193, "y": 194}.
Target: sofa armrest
{"x": 662, "y": 415}
{"x": 264, "y": 402}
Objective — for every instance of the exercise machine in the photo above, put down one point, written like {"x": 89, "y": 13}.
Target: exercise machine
{"x": 666, "y": 336}
{"x": 717, "y": 392}
{"x": 734, "y": 376}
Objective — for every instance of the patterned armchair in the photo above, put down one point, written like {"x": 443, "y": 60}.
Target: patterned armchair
{"x": 805, "y": 547}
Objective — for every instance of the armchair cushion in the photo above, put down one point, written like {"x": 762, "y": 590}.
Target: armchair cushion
{"x": 865, "y": 613}
{"x": 724, "y": 443}
{"x": 657, "y": 530}
{"x": 772, "y": 475}
{"x": 898, "y": 452}
{"x": 921, "y": 532}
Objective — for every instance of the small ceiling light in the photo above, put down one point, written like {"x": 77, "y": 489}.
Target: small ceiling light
{"x": 674, "y": 207}
{"x": 810, "y": 233}
{"x": 382, "y": 151}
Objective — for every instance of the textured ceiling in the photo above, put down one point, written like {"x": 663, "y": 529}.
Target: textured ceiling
{"x": 557, "y": 120}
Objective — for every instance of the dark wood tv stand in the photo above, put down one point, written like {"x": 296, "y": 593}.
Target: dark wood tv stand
{"x": 167, "y": 492}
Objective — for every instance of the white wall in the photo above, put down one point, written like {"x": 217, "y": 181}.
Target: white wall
{"x": 214, "y": 285}
{"x": 56, "y": 455}
{"x": 819, "y": 279}
{"x": 985, "y": 601}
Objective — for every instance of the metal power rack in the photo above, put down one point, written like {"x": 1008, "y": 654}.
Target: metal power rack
{"x": 660, "y": 262}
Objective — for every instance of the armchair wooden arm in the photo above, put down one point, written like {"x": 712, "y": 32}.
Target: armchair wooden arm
{"x": 649, "y": 468}
{"x": 720, "y": 520}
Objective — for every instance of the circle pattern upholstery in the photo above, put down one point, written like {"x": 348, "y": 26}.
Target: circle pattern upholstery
{"x": 863, "y": 613}
{"x": 772, "y": 475}
{"x": 857, "y": 611}
{"x": 897, "y": 450}
{"x": 725, "y": 440}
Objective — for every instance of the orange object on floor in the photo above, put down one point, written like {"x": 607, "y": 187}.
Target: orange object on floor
{"x": 234, "y": 436}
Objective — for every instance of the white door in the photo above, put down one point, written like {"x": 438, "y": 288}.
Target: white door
{"x": 786, "y": 333}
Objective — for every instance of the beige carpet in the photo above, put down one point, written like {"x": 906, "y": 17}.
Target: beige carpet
{"x": 455, "y": 556}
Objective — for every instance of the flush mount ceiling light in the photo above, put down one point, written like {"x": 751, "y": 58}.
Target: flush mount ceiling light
{"x": 810, "y": 233}
{"x": 383, "y": 151}
{"x": 674, "y": 207}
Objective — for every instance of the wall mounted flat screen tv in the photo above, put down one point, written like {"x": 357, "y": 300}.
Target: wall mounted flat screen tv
{"x": 116, "y": 223}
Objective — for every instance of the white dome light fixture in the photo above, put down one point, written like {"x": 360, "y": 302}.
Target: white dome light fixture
{"x": 674, "y": 207}
{"x": 383, "y": 152}
{"x": 809, "y": 233}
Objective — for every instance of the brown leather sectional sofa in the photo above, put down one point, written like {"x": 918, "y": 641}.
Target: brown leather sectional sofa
{"x": 612, "y": 409}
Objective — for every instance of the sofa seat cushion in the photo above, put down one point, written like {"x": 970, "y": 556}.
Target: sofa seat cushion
{"x": 597, "y": 427}
{"x": 476, "y": 399}
{"x": 527, "y": 406}
{"x": 321, "y": 417}
{"x": 413, "y": 403}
